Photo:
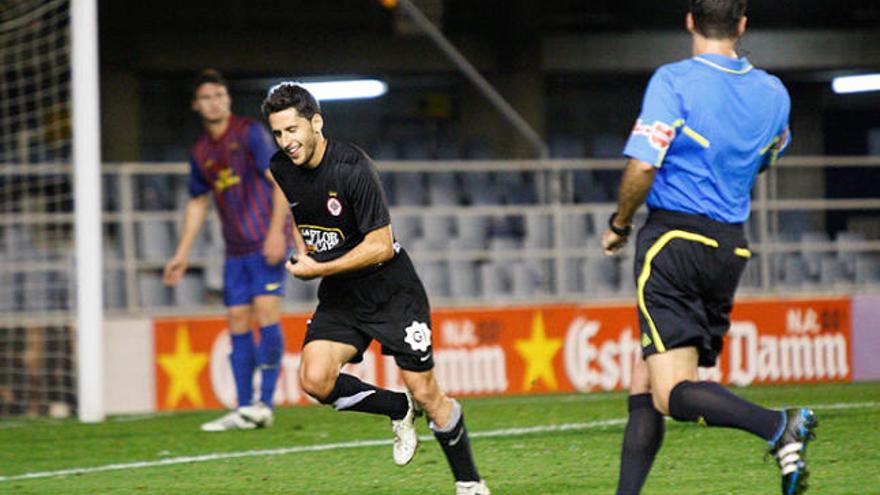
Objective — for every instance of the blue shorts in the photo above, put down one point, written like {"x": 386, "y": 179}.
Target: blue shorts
{"x": 245, "y": 277}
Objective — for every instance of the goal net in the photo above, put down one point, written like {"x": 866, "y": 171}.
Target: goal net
{"x": 36, "y": 210}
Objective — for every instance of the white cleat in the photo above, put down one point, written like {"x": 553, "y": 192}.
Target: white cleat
{"x": 406, "y": 440}
{"x": 471, "y": 488}
{"x": 257, "y": 413}
{"x": 231, "y": 421}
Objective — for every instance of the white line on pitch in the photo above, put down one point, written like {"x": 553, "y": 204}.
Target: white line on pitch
{"x": 504, "y": 432}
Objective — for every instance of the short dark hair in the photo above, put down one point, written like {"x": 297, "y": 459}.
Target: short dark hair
{"x": 209, "y": 76}
{"x": 718, "y": 19}
{"x": 290, "y": 95}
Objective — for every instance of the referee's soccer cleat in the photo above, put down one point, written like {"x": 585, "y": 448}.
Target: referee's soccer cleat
{"x": 791, "y": 448}
{"x": 231, "y": 421}
{"x": 471, "y": 488}
{"x": 406, "y": 440}
{"x": 257, "y": 413}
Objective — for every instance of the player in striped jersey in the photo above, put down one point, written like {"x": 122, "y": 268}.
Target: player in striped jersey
{"x": 230, "y": 160}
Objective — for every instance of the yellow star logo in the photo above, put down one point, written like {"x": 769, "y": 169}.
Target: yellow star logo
{"x": 183, "y": 368}
{"x": 538, "y": 352}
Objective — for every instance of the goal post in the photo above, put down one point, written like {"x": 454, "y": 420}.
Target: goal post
{"x": 87, "y": 208}
{"x": 51, "y": 225}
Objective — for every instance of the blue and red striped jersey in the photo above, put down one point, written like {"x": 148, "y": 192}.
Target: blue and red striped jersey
{"x": 233, "y": 167}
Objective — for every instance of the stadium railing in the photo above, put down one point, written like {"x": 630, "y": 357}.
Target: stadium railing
{"x": 480, "y": 233}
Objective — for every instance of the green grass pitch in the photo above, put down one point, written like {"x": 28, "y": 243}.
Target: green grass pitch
{"x": 315, "y": 450}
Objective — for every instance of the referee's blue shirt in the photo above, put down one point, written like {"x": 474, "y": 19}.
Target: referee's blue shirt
{"x": 709, "y": 123}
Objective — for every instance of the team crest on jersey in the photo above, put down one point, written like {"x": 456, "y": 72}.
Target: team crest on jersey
{"x": 659, "y": 134}
{"x": 334, "y": 206}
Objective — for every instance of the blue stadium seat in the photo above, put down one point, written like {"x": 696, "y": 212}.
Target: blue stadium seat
{"x": 153, "y": 292}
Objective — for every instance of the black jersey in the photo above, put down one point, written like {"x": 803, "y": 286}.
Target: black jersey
{"x": 335, "y": 204}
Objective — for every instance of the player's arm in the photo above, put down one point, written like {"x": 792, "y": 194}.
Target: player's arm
{"x": 193, "y": 219}
{"x": 275, "y": 245}
{"x": 638, "y": 177}
{"x": 377, "y": 247}
{"x": 279, "y": 201}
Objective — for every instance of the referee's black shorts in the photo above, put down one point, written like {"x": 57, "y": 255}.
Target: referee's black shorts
{"x": 687, "y": 268}
{"x": 388, "y": 304}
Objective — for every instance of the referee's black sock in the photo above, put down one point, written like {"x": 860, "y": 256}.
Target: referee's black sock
{"x": 351, "y": 394}
{"x": 641, "y": 441}
{"x": 718, "y": 406}
{"x": 453, "y": 439}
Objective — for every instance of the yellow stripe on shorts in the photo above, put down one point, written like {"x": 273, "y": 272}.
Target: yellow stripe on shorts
{"x": 645, "y": 274}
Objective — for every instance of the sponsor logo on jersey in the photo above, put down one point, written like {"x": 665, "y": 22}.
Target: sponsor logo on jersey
{"x": 659, "y": 134}
{"x": 418, "y": 336}
{"x": 226, "y": 178}
{"x": 271, "y": 287}
{"x": 320, "y": 239}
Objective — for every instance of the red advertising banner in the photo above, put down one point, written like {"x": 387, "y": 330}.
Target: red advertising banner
{"x": 526, "y": 349}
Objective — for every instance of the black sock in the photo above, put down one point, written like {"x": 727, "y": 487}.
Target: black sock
{"x": 717, "y": 406}
{"x": 351, "y": 394}
{"x": 641, "y": 441}
{"x": 453, "y": 438}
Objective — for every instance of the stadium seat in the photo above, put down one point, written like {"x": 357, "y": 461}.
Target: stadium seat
{"x": 830, "y": 272}
{"x": 437, "y": 229}
{"x": 525, "y": 279}
{"x": 442, "y": 190}
{"x": 154, "y": 240}
{"x": 472, "y": 232}
{"x": 463, "y": 281}
{"x": 813, "y": 259}
{"x": 867, "y": 270}
{"x": 406, "y": 228}
{"x": 588, "y": 188}
{"x": 538, "y": 230}
{"x": 434, "y": 276}
{"x": 493, "y": 283}
{"x": 600, "y": 275}
{"x": 792, "y": 270}
{"x": 847, "y": 258}
{"x": 190, "y": 291}
{"x": 114, "y": 289}
{"x": 409, "y": 188}
{"x": 153, "y": 292}
{"x": 576, "y": 229}
{"x": 479, "y": 189}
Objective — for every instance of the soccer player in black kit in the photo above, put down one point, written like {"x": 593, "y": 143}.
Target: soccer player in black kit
{"x": 369, "y": 288}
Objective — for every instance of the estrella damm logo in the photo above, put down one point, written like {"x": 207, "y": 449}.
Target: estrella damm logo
{"x": 320, "y": 239}
{"x": 226, "y": 178}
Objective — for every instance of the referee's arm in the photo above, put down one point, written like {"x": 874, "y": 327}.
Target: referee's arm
{"x": 637, "y": 180}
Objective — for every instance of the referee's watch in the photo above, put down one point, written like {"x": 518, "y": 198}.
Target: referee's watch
{"x": 621, "y": 231}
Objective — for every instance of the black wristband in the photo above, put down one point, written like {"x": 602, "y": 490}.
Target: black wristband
{"x": 621, "y": 231}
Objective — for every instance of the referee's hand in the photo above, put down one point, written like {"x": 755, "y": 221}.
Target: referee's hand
{"x": 613, "y": 243}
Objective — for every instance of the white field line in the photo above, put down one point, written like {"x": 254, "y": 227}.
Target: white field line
{"x": 504, "y": 432}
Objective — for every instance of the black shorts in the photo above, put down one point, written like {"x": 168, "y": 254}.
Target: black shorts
{"x": 687, "y": 268}
{"x": 388, "y": 304}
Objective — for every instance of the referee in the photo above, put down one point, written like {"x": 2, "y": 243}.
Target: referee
{"x": 369, "y": 288}
{"x": 708, "y": 126}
